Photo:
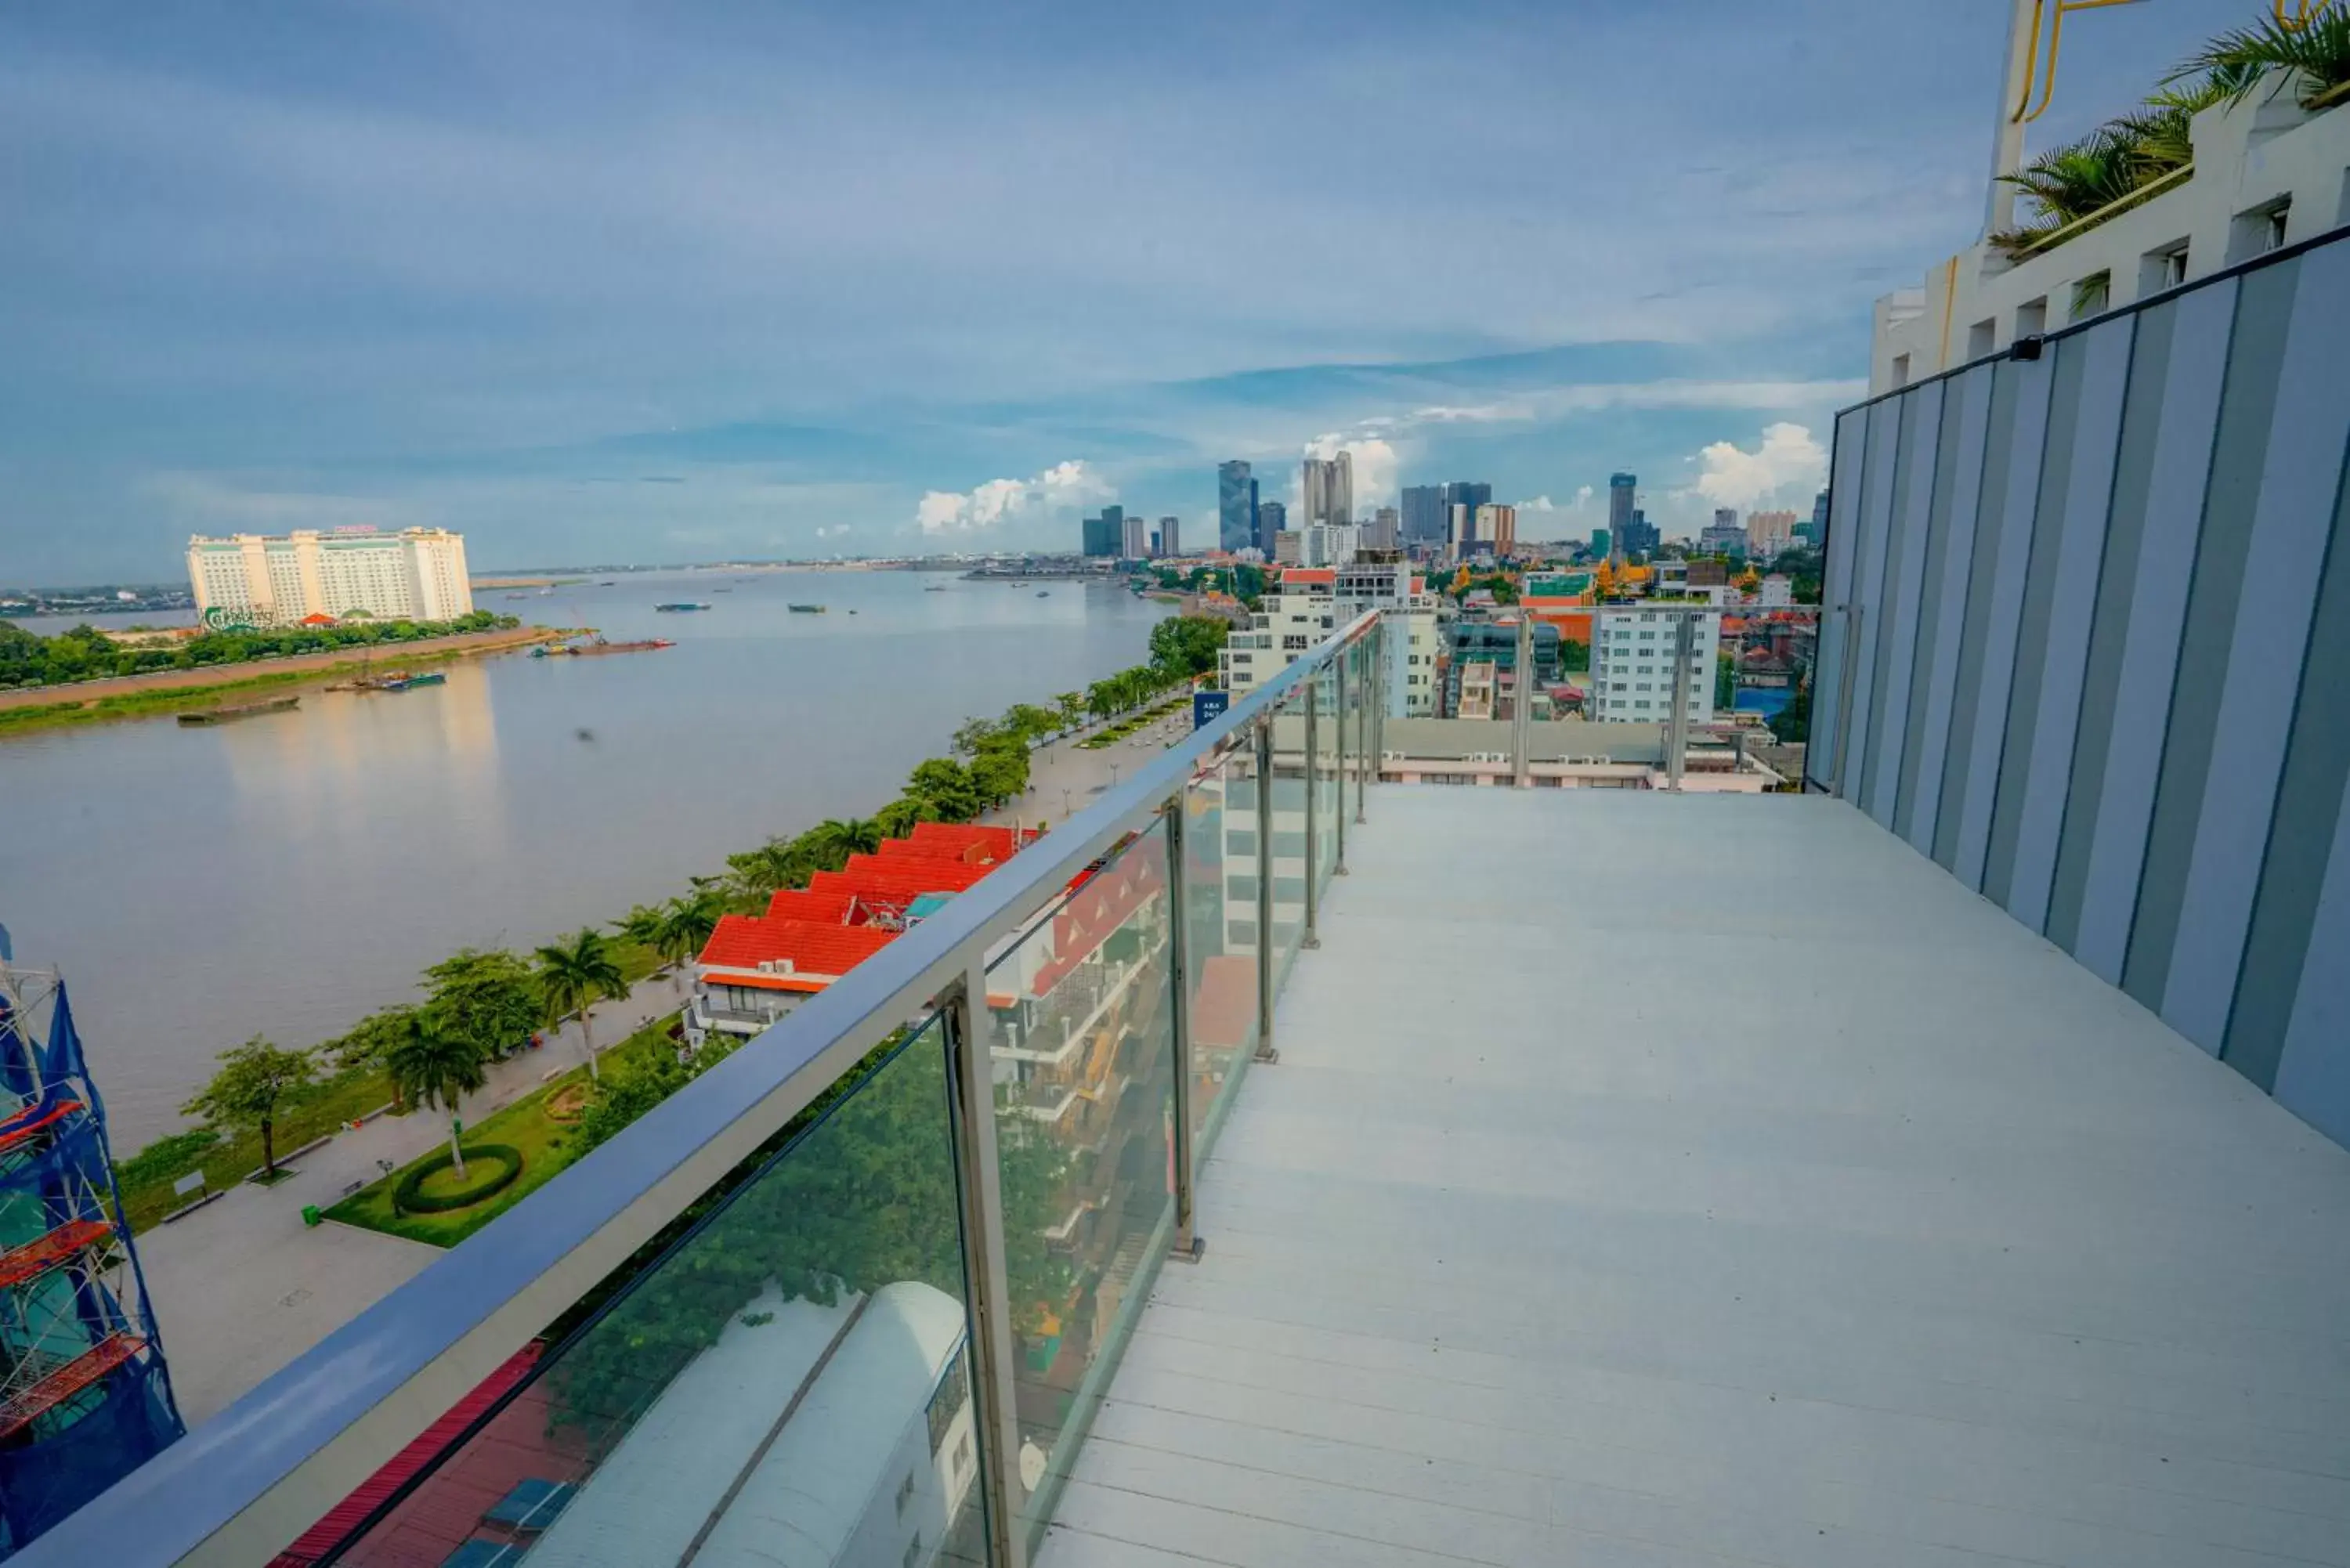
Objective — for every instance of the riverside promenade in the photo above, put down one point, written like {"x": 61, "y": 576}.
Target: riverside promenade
{"x": 241, "y": 1287}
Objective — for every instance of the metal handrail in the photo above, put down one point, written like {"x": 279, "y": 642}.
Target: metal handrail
{"x": 241, "y": 1486}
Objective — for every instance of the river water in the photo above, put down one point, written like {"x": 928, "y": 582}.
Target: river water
{"x": 288, "y": 873}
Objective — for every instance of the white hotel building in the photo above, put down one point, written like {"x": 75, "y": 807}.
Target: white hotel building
{"x": 417, "y": 574}
{"x": 1632, "y": 663}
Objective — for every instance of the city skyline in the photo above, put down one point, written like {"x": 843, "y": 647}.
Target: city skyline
{"x": 418, "y": 268}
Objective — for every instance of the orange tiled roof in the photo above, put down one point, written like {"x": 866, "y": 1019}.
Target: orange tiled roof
{"x": 1310, "y": 577}
{"x": 807, "y": 904}
{"x": 746, "y": 941}
{"x": 998, "y": 842}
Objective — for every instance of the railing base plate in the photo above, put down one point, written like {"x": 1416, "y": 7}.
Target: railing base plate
{"x": 1180, "y": 1254}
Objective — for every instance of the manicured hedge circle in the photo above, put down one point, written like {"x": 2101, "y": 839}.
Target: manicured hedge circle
{"x": 409, "y": 1197}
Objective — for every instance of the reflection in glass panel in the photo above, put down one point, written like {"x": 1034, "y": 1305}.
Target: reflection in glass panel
{"x": 1083, "y": 1057}
{"x": 796, "y": 1370}
{"x": 1326, "y": 779}
{"x": 1288, "y": 796}
{"x": 1220, "y": 904}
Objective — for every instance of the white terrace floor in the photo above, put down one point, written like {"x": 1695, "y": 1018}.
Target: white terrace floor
{"x": 1656, "y": 1180}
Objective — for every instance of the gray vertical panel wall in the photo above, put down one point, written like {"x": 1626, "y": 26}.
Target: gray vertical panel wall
{"x": 1820, "y": 756}
{"x": 2104, "y": 601}
{"x": 1942, "y": 617}
{"x": 1904, "y": 570}
{"x": 2186, "y": 416}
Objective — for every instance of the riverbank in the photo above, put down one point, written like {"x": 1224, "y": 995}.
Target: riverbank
{"x": 173, "y": 691}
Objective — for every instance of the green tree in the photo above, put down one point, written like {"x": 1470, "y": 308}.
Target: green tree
{"x": 999, "y": 773}
{"x": 488, "y": 998}
{"x": 1072, "y": 706}
{"x": 943, "y": 785}
{"x": 361, "y": 1048}
{"x": 434, "y": 1066}
{"x": 253, "y": 1085}
{"x": 1028, "y": 721}
{"x": 1725, "y": 680}
{"x": 897, "y": 817}
{"x": 837, "y": 838}
{"x": 1573, "y": 654}
{"x": 972, "y": 735}
{"x": 640, "y": 925}
{"x": 1187, "y": 644}
{"x": 573, "y": 976}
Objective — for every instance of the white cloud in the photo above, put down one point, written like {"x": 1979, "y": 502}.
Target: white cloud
{"x": 1063, "y": 487}
{"x": 1787, "y": 466}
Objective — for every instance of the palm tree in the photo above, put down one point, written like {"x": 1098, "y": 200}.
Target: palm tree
{"x": 685, "y": 926}
{"x": 831, "y": 842}
{"x": 433, "y": 1067}
{"x": 640, "y": 925}
{"x": 2318, "y": 48}
{"x": 574, "y": 976}
{"x": 1072, "y": 708}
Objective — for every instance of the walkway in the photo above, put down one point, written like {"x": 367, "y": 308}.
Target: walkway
{"x": 1713, "y": 1180}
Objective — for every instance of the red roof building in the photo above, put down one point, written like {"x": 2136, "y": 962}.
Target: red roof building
{"x": 756, "y": 968}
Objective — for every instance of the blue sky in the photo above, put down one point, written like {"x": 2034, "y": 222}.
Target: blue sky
{"x": 613, "y": 281}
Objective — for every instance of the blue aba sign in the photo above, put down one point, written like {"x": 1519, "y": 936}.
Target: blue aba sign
{"x": 1207, "y": 705}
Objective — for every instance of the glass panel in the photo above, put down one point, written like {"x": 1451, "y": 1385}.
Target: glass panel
{"x": 1084, "y": 1058}
{"x": 1326, "y": 777}
{"x": 1220, "y": 907}
{"x": 1288, "y": 796}
{"x": 796, "y": 1367}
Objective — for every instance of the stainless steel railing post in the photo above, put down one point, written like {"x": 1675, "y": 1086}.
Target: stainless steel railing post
{"x": 1339, "y": 723}
{"x": 1186, "y": 1245}
{"x": 1311, "y": 939}
{"x": 987, "y": 1297}
{"x": 1264, "y": 948}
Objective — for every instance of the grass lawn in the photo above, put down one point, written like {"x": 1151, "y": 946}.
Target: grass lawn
{"x": 545, "y": 1144}
{"x": 226, "y": 1163}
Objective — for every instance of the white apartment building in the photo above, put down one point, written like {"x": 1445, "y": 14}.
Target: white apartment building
{"x": 417, "y": 573}
{"x": 1632, "y": 662}
{"x": 1775, "y": 593}
{"x": 1286, "y": 625}
{"x": 1329, "y": 544}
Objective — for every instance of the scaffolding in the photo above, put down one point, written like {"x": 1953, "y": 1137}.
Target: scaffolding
{"x": 85, "y": 1398}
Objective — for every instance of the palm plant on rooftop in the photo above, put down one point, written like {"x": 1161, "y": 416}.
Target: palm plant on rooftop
{"x": 2317, "y": 48}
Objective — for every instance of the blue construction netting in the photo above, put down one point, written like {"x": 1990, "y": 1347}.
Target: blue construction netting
{"x": 85, "y": 1397}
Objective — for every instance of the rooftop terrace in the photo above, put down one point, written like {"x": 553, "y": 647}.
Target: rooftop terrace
{"x": 1713, "y": 1178}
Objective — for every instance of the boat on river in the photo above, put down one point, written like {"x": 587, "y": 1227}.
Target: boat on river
{"x": 598, "y": 645}
{"x": 807, "y": 610}
{"x": 679, "y": 607}
{"x": 235, "y": 712}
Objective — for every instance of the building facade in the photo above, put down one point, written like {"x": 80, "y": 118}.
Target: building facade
{"x": 1170, "y": 539}
{"x": 1272, "y": 520}
{"x": 1134, "y": 544}
{"x": 1329, "y": 489}
{"x": 1769, "y": 534}
{"x": 1632, "y": 664}
{"x": 1724, "y": 536}
{"x": 256, "y": 579}
{"x": 1385, "y": 530}
{"x": 1309, "y": 604}
{"x": 1106, "y": 535}
{"x": 1622, "y": 490}
{"x": 1236, "y": 508}
{"x": 1424, "y": 514}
